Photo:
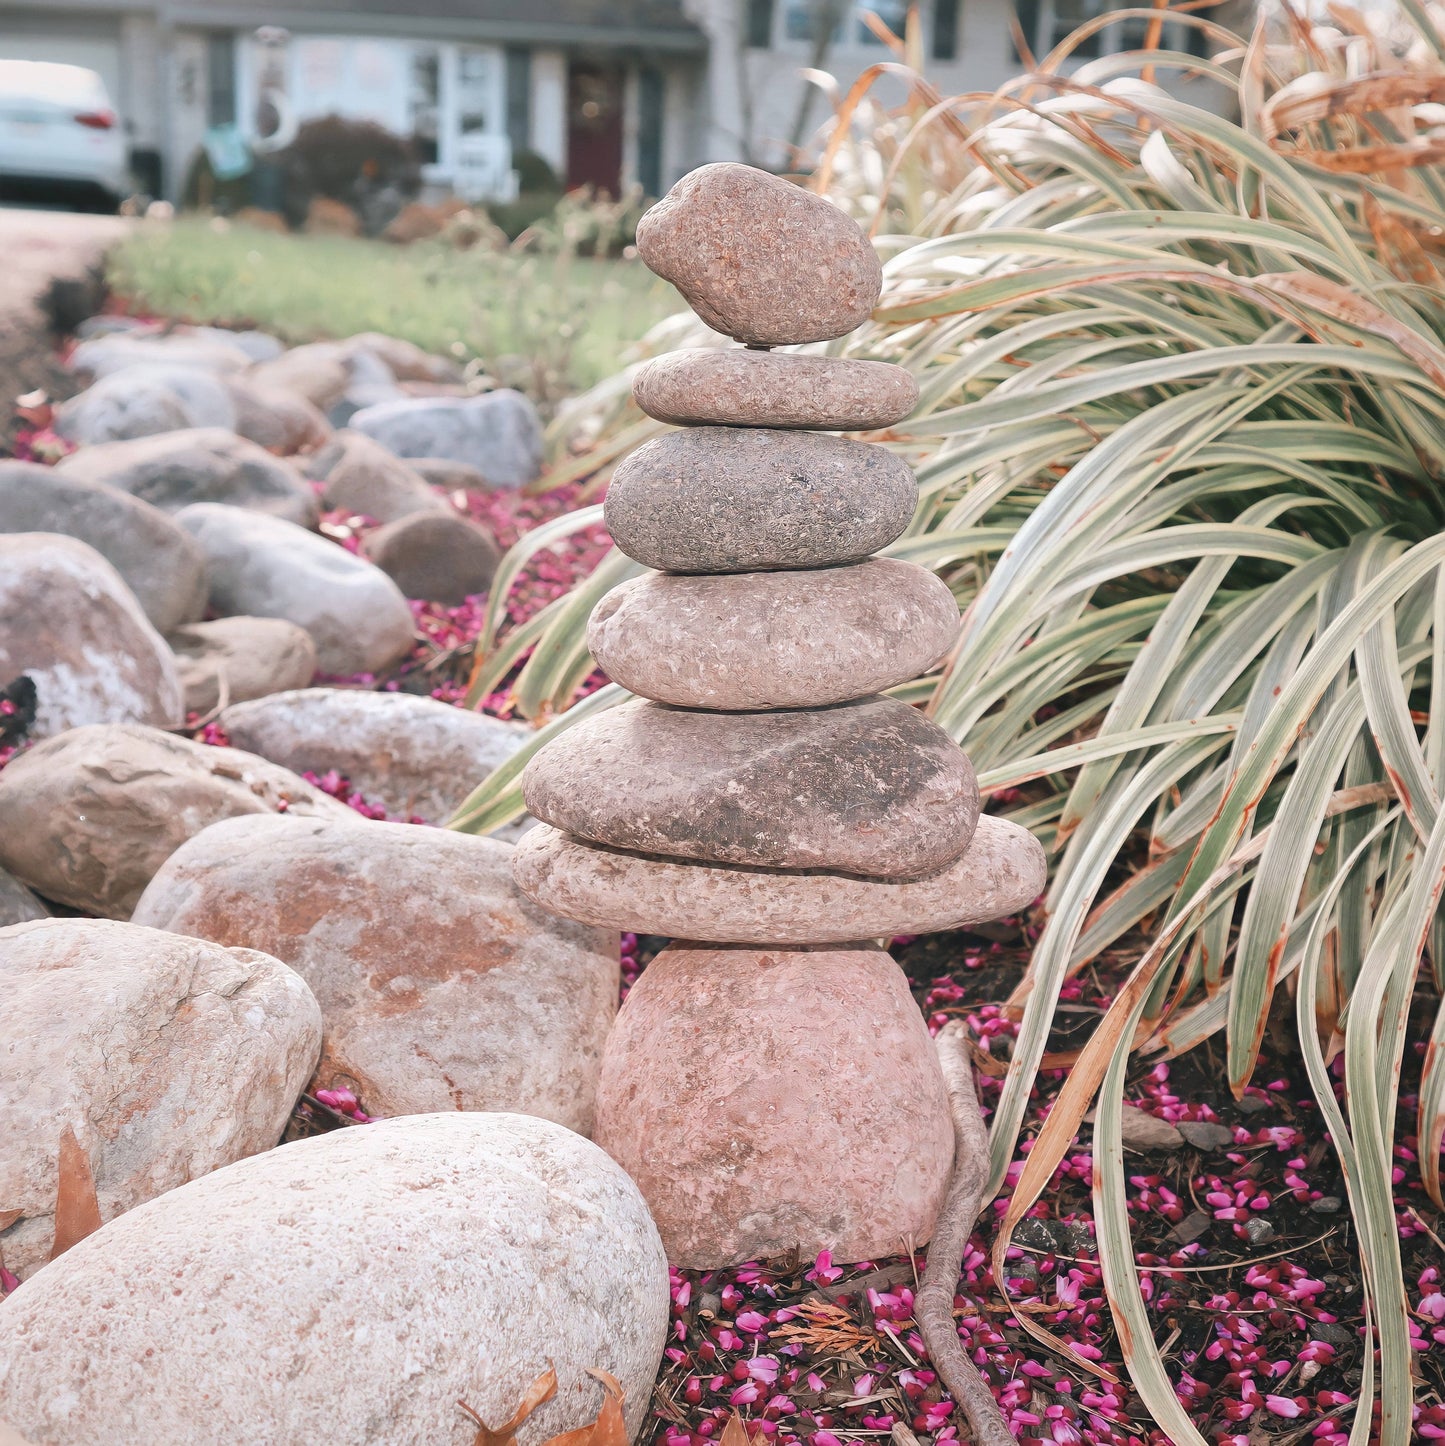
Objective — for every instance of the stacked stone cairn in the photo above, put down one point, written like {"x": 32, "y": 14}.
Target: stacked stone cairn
{"x": 770, "y": 1084}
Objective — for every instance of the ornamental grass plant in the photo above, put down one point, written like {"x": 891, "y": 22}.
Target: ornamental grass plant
{"x": 1181, "y": 449}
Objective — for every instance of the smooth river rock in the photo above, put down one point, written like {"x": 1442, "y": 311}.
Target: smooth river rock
{"x": 761, "y": 259}
{"x": 1002, "y": 871}
{"x": 747, "y": 388}
{"x": 71, "y": 625}
{"x": 731, "y": 499}
{"x": 255, "y": 656}
{"x": 752, "y": 640}
{"x": 442, "y": 986}
{"x": 92, "y": 814}
{"x": 359, "y": 475}
{"x": 144, "y": 399}
{"x": 352, "y": 1287}
{"x": 412, "y": 755}
{"x": 869, "y": 787}
{"x": 828, "y": 1130}
{"x": 438, "y": 556}
{"x": 200, "y": 464}
{"x": 167, "y": 1057}
{"x": 17, "y": 904}
{"x": 260, "y": 566}
{"x": 158, "y": 561}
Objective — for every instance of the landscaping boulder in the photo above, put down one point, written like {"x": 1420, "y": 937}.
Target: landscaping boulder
{"x": 352, "y": 1287}
{"x": 17, "y": 904}
{"x": 359, "y": 475}
{"x": 499, "y": 433}
{"x": 256, "y": 656}
{"x": 282, "y": 422}
{"x": 70, "y": 624}
{"x": 103, "y": 356}
{"x": 258, "y": 346}
{"x": 442, "y": 987}
{"x": 260, "y": 566}
{"x": 206, "y": 464}
{"x": 160, "y": 562}
{"x": 406, "y": 361}
{"x": 92, "y": 814}
{"x": 447, "y": 474}
{"x": 438, "y": 556}
{"x": 318, "y": 371}
{"x": 165, "y": 1056}
{"x": 143, "y": 400}
{"x": 415, "y": 756}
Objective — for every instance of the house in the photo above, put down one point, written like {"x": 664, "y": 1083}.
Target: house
{"x": 610, "y": 93}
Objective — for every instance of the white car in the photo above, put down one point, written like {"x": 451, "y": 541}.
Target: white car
{"x": 57, "y": 125}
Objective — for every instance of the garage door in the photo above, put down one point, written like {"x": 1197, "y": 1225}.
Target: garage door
{"x": 97, "y": 53}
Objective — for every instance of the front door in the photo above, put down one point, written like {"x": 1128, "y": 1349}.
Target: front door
{"x": 594, "y": 126}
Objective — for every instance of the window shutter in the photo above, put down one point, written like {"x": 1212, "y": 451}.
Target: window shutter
{"x": 760, "y": 24}
{"x": 1028, "y": 17}
{"x": 945, "y": 30}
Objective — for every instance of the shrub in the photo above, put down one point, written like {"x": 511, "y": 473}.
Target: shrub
{"x": 357, "y": 162}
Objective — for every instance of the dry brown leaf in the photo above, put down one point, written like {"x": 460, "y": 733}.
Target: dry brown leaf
{"x": 542, "y": 1389}
{"x": 609, "y": 1429}
{"x": 1288, "y": 111}
{"x": 1366, "y": 160}
{"x": 1398, "y": 246}
{"x": 77, "y": 1212}
{"x": 734, "y": 1433}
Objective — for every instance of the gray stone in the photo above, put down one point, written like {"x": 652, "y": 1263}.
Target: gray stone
{"x": 17, "y": 904}
{"x": 142, "y": 400}
{"x": 359, "y": 475}
{"x": 259, "y": 346}
{"x": 869, "y": 787}
{"x": 352, "y": 1287}
{"x": 167, "y": 1057}
{"x": 256, "y": 656}
{"x": 260, "y": 566}
{"x": 319, "y": 371}
{"x": 105, "y": 355}
{"x": 761, "y": 259}
{"x": 91, "y": 814}
{"x": 206, "y": 464}
{"x": 406, "y": 361}
{"x": 280, "y": 422}
{"x": 70, "y": 624}
{"x": 158, "y": 561}
{"x": 498, "y": 433}
{"x": 728, "y": 499}
{"x": 412, "y": 755}
{"x": 1002, "y": 871}
{"x": 1206, "y": 1134}
{"x": 438, "y": 556}
{"x": 441, "y": 986}
{"x": 747, "y": 388}
{"x": 751, "y": 640}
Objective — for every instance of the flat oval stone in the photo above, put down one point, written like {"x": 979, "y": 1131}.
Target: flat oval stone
{"x": 743, "y": 388}
{"x": 869, "y": 787}
{"x": 766, "y": 640}
{"x": 832, "y": 1133}
{"x": 1002, "y": 870}
{"x": 759, "y": 258}
{"x": 728, "y": 499}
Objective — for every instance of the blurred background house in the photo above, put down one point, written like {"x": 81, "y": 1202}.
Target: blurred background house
{"x": 609, "y": 94}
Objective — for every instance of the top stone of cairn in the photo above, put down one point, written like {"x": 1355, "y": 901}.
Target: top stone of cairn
{"x": 760, "y": 259}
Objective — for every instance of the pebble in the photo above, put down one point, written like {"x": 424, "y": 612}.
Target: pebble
{"x": 744, "y": 388}
{"x": 257, "y": 656}
{"x": 760, "y": 259}
{"x": 869, "y": 787}
{"x": 351, "y": 1287}
{"x": 205, "y": 464}
{"x": 1001, "y": 872}
{"x": 730, "y": 499}
{"x": 260, "y": 566}
{"x": 72, "y": 626}
{"x": 167, "y": 1057}
{"x": 412, "y": 755}
{"x": 1206, "y": 1135}
{"x": 437, "y": 556}
{"x": 1327, "y": 1205}
{"x": 159, "y": 562}
{"x": 764, "y": 640}
{"x": 91, "y": 814}
{"x": 832, "y": 1133}
{"x": 442, "y": 987}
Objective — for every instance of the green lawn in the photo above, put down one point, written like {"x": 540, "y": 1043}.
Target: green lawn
{"x": 553, "y": 324}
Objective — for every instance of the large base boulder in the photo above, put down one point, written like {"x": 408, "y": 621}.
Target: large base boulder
{"x": 833, "y": 1133}
{"x": 166, "y": 1057}
{"x": 414, "y": 756}
{"x": 441, "y": 986}
{"x": 260, "y": 566}
{"x": 91, "y": 815}
{"x": 351, "y": 1287}
{"x": 157, "y": 560}
{"x": 201, "y": 464}
{"x": 70, "y": 624}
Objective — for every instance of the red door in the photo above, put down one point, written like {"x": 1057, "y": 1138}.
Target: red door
{"x": 594, "y": 126}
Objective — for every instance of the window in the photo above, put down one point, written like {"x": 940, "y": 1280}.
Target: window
{"x": 945, "y": 30}
{"x": 805, "y": 19}
{"x": 893, "y": 13}
{"x": 1056, "y": 20}
{"x": 760, "y": 24}
{"x": 423, "y": 103}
